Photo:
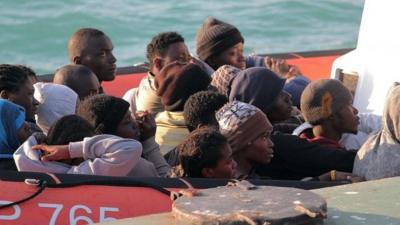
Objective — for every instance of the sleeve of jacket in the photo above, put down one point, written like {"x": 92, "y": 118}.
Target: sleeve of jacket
{"x": 151, "y": 152}
{"x": 295, "y": 158}
{"x": 27, "y": 159}
{"x": 105, "y": 155}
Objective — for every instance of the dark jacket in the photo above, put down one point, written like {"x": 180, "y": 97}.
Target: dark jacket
{"x": 295, "y": 158}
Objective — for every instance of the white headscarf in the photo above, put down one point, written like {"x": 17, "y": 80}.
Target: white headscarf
{"x": 379, "y": 157}
{"x": 56, "y": 101}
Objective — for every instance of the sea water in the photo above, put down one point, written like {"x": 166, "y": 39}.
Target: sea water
{"x": 35, "y": 33}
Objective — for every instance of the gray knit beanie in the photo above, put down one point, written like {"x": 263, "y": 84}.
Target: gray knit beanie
{"x": 214, "y": 37}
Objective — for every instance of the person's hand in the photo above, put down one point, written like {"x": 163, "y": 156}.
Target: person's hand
{"x": 280, "y": 67}
{"x": 53, "y": 152}
{"x": 147, "y": 124}
{"x": 348, "y": 176}
{"x": 340, "y": 176}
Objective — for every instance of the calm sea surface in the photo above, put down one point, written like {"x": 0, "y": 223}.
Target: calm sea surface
{"x": 35, "y": 33}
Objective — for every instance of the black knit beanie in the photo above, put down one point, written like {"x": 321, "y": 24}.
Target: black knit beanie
{"x": 322, "y": 98}
{"x": 214, "y": 37}
{"x": 104, "y": 112}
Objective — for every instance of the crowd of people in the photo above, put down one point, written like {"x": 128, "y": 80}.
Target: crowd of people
{"x": 217, "y": 115}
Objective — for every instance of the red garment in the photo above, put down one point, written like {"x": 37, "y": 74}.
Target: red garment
{"x": 323, "y": 141}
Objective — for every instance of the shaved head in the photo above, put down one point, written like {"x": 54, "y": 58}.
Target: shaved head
{"x": 79, "y": 78}
{"x": 80, "y": 41}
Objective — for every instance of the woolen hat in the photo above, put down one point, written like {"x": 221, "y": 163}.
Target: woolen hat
{"x": 241, "y": 123}
{"x": 222, "y": 77}
{"x": 257, "y": 86}
{"x": 215, "y": 36}
{"x": 176, "y": 82}
{"x": 323, "y": 98}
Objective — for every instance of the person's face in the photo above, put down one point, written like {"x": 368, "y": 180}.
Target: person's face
{"x": 176, "y": 52}
{"x": 89, "y": 86}
{"x": 128, "y": 127}
{"x": 226, "y": 165}
{"x": 260, "y": 150}
{"x": 99, "y": 58}
{"x": 232, "y": 56}
{"x": 282, "y": 108}
{"x": 24, "y": 97}
{"x": 346, "y": 119}
{"x": 24, "y": 132}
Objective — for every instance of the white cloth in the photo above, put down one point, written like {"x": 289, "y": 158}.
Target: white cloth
{"x": 130, "y": 96}
{"x": 106, "y": 155}
{"x": 379, "y": 157}
{"x": 55, "y": 101}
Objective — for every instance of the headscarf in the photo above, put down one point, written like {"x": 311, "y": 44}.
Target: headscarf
{"x": 379, "y": 156}
{"x": 12, "y": 117}
{"x": 56, "y": 101}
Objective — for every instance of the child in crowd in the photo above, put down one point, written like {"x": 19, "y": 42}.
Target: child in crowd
{"x": 163, "y": 49}
{"x": 199, "y": 111}
{"x": 77, "y": 152}
{"x": 79, "y": 78}
{"x": 327, "y": 105}
{"x": 248, "y": 132}
{"x": 16, "y": 87}
{"x": 262, "y": 88}
{"x": 55, "y": 101}
{"x": 13, "y": 131}
{"x": 111, "y": 115}
{"x": 205, "y": 153}
{"x": 93, "y": 48}
{"x": 175, "y": 84}
{"x": 379, "y": 157}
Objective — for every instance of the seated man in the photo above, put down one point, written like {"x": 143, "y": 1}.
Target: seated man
{"x": 79, "y": 78}
{"x": 163, "y": 49}
{"x": 205, "y": 153}
{"x": 327, "y": 105}
{"x": 175, "y": 84}
{"x": 93, "y": 48}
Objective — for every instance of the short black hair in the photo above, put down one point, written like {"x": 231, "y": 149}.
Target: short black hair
{"x": 11, "y": 77}
{"x": 71, "y": 75}
{"x": 70, "y": 128}
{"x": 104, "y": 112}
{"x": 201, "y": 107}
{"x": 201, "y": 149}
{"x": 29, "y": 71}
{"x": 80, "y": 39}
{"x": 160, "y": 43}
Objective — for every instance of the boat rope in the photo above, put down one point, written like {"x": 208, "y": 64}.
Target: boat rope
{"x": 41, "y": 186}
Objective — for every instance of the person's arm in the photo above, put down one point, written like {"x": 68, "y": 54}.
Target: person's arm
{"x": 306, "y": 156}
{"x": 151, "y": 150}
{"x": 103, "y": 154}
{"x": 369, "y": 122}
{"x": 27, "y": 159}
